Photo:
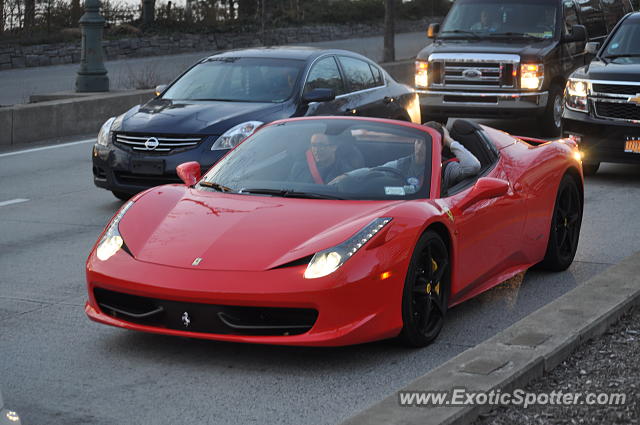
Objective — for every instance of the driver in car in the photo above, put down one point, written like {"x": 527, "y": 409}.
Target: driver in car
{"x": 321, "y": 164}
{"x": 457, "y": 166}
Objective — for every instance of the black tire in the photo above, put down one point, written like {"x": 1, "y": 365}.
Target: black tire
{"x": 123, "y": 196}
{"x": 590, "y": 168}
{"x": 426, "y": 291}
{"x": 551, "y": 120}
{"x": 565, "y": 227}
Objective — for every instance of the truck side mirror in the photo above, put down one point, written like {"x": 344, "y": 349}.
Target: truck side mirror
{"x": 578, "y": 33}
{"x": 592, "y": 48}
{"x": 433, "y": 30}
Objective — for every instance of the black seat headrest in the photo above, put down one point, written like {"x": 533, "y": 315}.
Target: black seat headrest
{"x": 464, "y": 127}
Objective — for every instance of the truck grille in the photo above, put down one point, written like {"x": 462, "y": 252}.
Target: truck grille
{"x": 461, "y": 71}
{"x": 160, "y": 144}
{"x": 620, "y": 111}
{"x": 616, "y": 88}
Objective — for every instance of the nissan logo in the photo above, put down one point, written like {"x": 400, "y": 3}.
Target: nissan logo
{"x": 472, "y": 74}
{"x": 151, "y": 143}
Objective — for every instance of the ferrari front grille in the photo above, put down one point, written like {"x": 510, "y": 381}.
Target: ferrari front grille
{"x": 205, "y": 318}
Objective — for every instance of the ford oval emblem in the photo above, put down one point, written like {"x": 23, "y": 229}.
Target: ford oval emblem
{"x": 151, "y": 143}
{"x": 472, "y": 74}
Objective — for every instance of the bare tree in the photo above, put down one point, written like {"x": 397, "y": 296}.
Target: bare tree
{"x": 389, "y": 54}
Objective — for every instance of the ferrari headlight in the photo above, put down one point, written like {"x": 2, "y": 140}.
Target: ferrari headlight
{"x": 422, "y": 74}
{"x": 105, "y": 132}
{"x": 328, "y": 261}
{"x": 531, "y": 75}
{"x": 576, "y": 95}
{"x": 235, "y": 135}
{"x": 112, "y": 241}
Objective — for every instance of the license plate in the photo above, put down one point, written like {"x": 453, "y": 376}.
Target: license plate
{"x": 153, "y": 167}
{"x": 632, "y": 145}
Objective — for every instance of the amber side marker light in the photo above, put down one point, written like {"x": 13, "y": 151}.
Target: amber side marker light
{"x": 385, "y": 275}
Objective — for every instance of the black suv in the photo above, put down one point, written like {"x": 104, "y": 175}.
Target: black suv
{"x": 603, "y": 99}
{"x": 509, "y": 58}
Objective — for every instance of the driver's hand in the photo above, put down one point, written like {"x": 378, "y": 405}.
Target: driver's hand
{"x": 338, "y": 179}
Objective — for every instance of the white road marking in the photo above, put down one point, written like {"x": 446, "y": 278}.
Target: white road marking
{"x": 47, "y": 147}
{"x": 13, "y": 201}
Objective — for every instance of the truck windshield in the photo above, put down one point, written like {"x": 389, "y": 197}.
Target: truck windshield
{"x": 624, "y": 44}
{"x": 509, "y": 19}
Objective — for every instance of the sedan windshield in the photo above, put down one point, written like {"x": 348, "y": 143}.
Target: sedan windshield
{"x": 328, "y": 159}
{"x": 508, "y": 19}
{"x": 238, "y": 80}
{"x": 625, "y": 43}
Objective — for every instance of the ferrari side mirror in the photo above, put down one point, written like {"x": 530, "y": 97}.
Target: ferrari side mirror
{"x": 189, "y": 172}
{"x": 485, "y": 188}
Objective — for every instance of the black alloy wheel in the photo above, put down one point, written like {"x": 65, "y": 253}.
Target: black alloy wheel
{"x": 565, "y": 226}
{"x": 426, "y": 289}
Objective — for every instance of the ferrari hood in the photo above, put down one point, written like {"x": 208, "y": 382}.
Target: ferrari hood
{"x": 175, "y": 226}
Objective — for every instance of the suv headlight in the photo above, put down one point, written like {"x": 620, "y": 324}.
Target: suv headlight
{"x": 112, "y": 240}
{"x": 105, "y": 132}
{"x": 329, "y": 260}
{"x": 531, "y": 75}
{"x": 576, "y": 95}
{"x": 235, "y": 135}
{"x": 422, "y": 74}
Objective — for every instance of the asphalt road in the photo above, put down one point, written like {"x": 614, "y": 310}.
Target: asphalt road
{"x": 17, "y": 85}
{"x": 56, "y": 366}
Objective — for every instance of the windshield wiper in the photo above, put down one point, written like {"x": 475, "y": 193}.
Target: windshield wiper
{"x": 289, "y": 193}
{"x": 476, "y": 35}
{"x": 216, "y": 186}
{"x": 515, "y": 34}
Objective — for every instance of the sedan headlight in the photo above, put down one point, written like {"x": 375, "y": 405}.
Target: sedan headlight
{"x": 576, "y": 95}
{"x": 235, "y": 135}
{"x": 112, "y": 240}
{"x": 531, "y": 75}
{"x": 105, "y": 132}
{"x": 422, "y": 74}
{"x": 328, "y": 261}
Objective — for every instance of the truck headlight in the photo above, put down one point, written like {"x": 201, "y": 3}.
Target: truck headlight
{"x": 531, "y": 76}
{"x": 422, "y": 74}
{"x": 576, "y": 95}
{"x": 329, "y": 260}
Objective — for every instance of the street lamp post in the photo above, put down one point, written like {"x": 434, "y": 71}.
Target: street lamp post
{"x": 92, "y": 75}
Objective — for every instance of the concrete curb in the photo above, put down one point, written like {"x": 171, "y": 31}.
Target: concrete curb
{"x": 62, "y": 118}
{"x": 520, "y": 353}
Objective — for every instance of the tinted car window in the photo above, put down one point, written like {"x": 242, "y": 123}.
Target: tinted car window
{"x": 325, "y": 75}
{"x": 377, "y": 75}
{"x": 358, "y": 74}
{"x": 238, "y": 79}
{"x": 570, "y": 16}
{"x": 625, "y": 42}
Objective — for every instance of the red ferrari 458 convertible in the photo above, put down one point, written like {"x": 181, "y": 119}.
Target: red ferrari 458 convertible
{"x": 334, "y": 231}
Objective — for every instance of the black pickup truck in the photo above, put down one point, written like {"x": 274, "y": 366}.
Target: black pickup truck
{"x": 509, "y": 58}
{"x": 603, "y": 99}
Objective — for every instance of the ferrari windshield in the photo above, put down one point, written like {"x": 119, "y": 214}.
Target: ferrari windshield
{"x": 328, "y": 159}
{"x": 496, "y": 19}
{"x": 238, "y": 80}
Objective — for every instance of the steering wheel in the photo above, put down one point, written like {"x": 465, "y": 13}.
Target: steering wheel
{"x": 390, "y": 170}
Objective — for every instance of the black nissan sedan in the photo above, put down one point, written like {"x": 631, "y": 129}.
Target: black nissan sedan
{"x": 224, "y": 98}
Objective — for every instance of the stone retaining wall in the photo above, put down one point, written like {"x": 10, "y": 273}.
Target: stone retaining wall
{"x": 15, "y": 56}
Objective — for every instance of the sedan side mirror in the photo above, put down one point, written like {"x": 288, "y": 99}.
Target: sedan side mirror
{"x": 159, "y": 89}
{"x": 189, "y": 172}
{"x": 433, "y": 30}
{"x": 319, "y": 95}
{"x": 592, "y": 48}
{"x": 485, "y": 188}
{"x": 578, "y": 33}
